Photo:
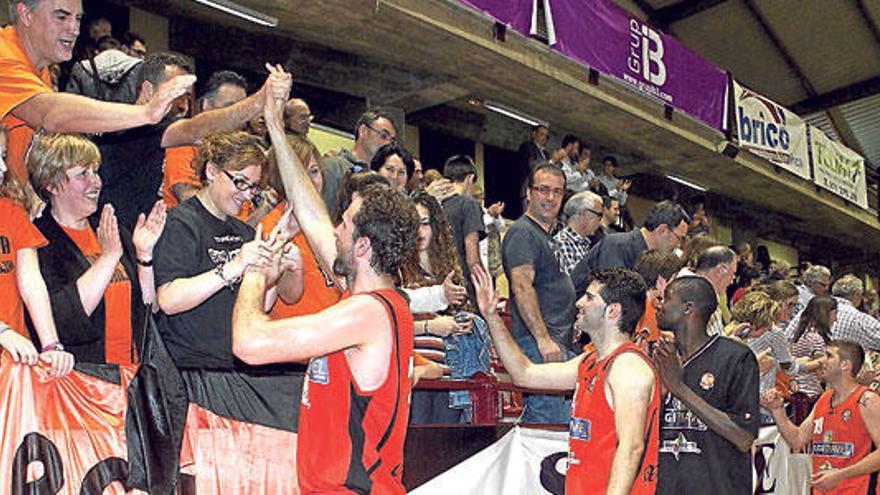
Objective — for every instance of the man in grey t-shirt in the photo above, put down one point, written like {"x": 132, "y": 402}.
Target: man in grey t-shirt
{"x": 541, "y": 296}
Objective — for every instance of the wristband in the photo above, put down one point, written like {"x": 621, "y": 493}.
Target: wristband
{"x": 144, "y": 263}
{"x": 4, "y": 327}
{"x": 54, "y": 346}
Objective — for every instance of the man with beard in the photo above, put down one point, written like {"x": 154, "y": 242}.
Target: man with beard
{"x": 355, "y": 404}
{"x": 844, "y": 427}
{"x": 541, "y": 295}
{"x": 613, "y": 428}
{"x": 710, "y": 417}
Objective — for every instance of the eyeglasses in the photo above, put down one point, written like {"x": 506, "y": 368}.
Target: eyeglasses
{"x": 594, "y": 212}
{"x": 383, "y": 133}
{"x": 242, "y": 184}
{"x": 680, "y": 238}
{"x": 547, "y": 190}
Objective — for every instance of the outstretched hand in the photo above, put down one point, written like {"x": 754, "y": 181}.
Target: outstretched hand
{"x": 276, "y": 91}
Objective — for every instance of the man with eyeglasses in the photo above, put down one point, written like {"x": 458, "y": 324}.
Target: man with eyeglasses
{"x": 542, "y": 298}
{"x": 374, "y": 129}
{"x": 717, "y": 264}
{"x": 583, "y": 213}
{"x": 665, "y": 229}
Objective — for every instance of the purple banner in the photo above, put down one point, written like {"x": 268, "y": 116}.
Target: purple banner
{"x": 611, "y": 41}
{"x": 515, "y": 13}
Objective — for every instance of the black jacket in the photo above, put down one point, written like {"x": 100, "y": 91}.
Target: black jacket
{"x": 62, "y": 263}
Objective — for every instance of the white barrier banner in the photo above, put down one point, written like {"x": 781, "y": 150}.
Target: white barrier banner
{"x": 838, "y": 168}
{"x": 770, "y": 131}
{"x": 533, "y": 462}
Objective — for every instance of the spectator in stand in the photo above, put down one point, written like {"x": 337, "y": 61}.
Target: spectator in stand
{"x": 872, "y": 303}
{"x": 21, "y": 283}
{"x": 617, "y": 188}
{"x": 99, "y": 276}
{"x": 373, "y": 129}
{"x": 133, "y": 189}
{"x": 542, "y": 297}
{"x": 785, "y": 294}
{"x": 812, "y": 334}
{"x": 531, "y": 153}
{"x": 815, "y": 281}
{"x": 762, "y": 259}
{"x": 779, "y": 270}
{"x": 744, "y": 253}
{"x": 692, "y": 249}
{"x": 99, "y": 28}
{"x": 610, "y": 219}
{"x": 583, "y": 215}
{"x": 393, "y": 162}
{"x": 490, "y": 247}
{"x": 852, "y": 324}
{"x": 578, "y": 175}
{"x": 711, "y": 415}
{"x": 297, "y": 117}
{"x": 110, "y": 75}
{"x": 657, "y": 268}
{"x": 465, "y": 215}
{"x": 700, "y": 223}
{"x": 717, "y": 264}
{"x": 857, "y": 429}
{"x": 27, "y": 101}
{"x": 748, "y": 277}
{"x": 665, "y": 228}
{"x": 224, "y": 88}
{"x": 134, "y": 44}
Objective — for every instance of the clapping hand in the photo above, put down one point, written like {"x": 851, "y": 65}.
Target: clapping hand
{"x": 148, "y": 230}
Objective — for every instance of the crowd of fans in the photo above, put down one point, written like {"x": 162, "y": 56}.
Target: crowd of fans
{"x": 120, "y": 203}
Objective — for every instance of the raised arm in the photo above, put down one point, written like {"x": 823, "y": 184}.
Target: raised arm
{"x": 525, "y": 373}
{"x": 190, "y": 131}
{"x": 65, "y": 112}
{"x": 308, "y": 207}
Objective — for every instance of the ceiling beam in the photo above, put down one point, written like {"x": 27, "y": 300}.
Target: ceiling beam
{"x": 648, "y": 10}
{"x": 869, "y": 21}
{"x": 837, "y": 97}
{"x": 666, "y": 16}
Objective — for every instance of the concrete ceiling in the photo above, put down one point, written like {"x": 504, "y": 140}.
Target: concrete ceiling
{"x": 444, "y": 53}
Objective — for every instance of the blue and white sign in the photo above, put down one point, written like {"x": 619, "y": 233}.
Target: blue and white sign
{"x": 770, "y": 131}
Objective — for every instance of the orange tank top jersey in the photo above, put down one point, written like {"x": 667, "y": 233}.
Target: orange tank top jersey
{"x": 351, "y": 441}
{"x": 16, "y": 233}
{"x": 840, "y": 438}
{"x": 19, "y": 82}
{"x": 319, "y": 291}
{"x": 117, "y": 300}
{"x": 592, "y": 437}
{"x": 178, "y": 169}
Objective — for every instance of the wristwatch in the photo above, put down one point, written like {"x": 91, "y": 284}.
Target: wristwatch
{"x": 54, "y": 346}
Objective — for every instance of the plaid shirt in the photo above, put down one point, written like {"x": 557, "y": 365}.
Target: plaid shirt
{"x": 856, "y": 326}
{"x": 569, "y": 247}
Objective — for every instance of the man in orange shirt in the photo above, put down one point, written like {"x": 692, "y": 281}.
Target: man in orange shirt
{"x": 223, "y": 89}
{"x": 43, "y": 32}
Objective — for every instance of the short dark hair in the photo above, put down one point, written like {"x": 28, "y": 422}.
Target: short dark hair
{"x": 539, "y": 126}
{"x": 155, "y": 63}
{"x": 458, "y": 167}
{"x": 569, "y": 139}
{"x": 714, "y": 256}
{"x": 654, "y": 263}
{"x": 667, "y": 213}
{"x": 851, "y": 352}
{"x": 545, "y": 167}
{"x": 373, "y": 115}
{"x": 624, "y": 287}
{"x": 696, "y": 290}
{"x": 219, "y": 78}
{"x": 606, "y": 201}
{"x": 130, "y": 37}
{"x": 107, "y": 42}
{"x": 390, "y": 221}
{"x": 388, "y": 150}
{"x": 609, "y": 158}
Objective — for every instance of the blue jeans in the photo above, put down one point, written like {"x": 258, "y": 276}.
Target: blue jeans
{"x": 547, "y": 409}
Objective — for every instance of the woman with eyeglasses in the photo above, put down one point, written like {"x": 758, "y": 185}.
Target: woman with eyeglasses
{"x": 99, "y": 276}
{"x": 204, "y": 252}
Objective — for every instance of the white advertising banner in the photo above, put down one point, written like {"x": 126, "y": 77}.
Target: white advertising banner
{"x": 532, "y": 462}
{"x": 770, "y": 131}
{"x": 838, "y": 168}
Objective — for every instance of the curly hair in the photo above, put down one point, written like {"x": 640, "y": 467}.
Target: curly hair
{"x": 390, "y": 221}
{"x": 230, "y": 151}
{"x": 441, "y": 250}
{"x": 756, "y": 308}
{"x": 624, "y": 287}
{"x": 354, "y": 182}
